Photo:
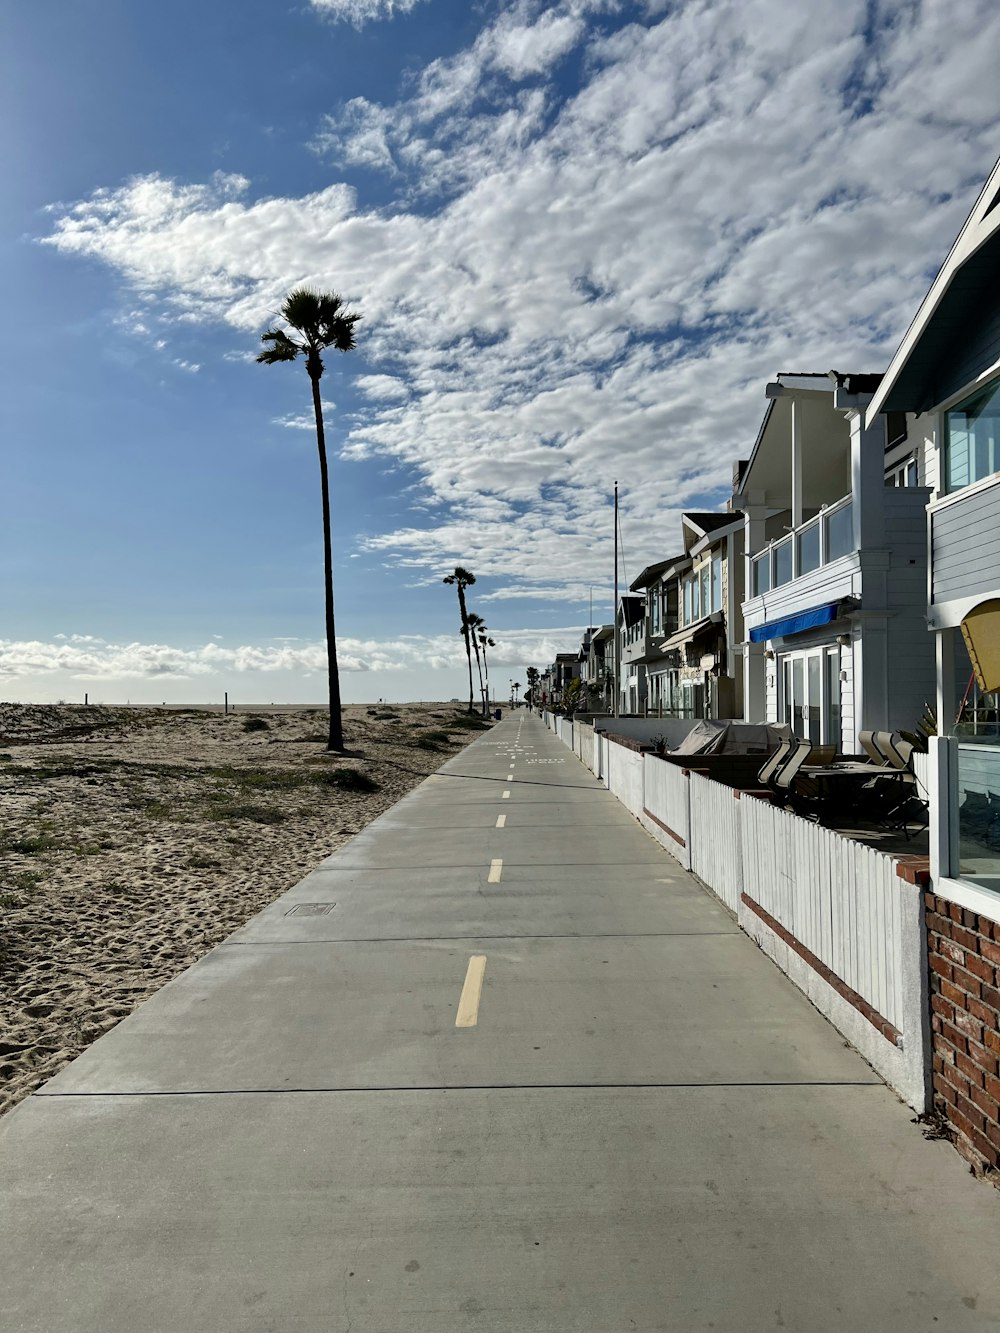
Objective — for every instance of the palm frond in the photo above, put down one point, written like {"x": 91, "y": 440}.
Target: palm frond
{"x": 321, "y": 318}
{"x": 281, "y": 348}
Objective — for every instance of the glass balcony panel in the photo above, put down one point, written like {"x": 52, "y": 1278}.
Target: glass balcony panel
{"x": 979, "y": 812}
{"x": 807, "y": 544}
{"x": 783, "y": 562}
{"x": 761, "y": 573}
{"x": 839, "y": 531}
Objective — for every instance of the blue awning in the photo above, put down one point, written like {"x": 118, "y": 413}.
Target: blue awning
{"x": 780, "y": 629}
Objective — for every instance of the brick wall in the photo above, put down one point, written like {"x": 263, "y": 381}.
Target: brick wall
{"x": 964, "y": 956}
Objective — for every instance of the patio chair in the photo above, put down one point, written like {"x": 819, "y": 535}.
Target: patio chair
{"x": 775, "y": 760}
{"x": 866, "y": 739}
{"x": 910, "y": 808}
{"x": 791, "y": 788}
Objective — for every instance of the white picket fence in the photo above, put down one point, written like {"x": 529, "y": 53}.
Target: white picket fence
{"x": 835, "y": 915}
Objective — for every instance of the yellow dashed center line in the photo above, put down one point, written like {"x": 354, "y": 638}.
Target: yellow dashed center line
{"x": 496, "y": 870}
{"x": 468, "y": 1004}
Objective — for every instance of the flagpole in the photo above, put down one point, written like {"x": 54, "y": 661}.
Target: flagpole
{"x": 614, "y": 616}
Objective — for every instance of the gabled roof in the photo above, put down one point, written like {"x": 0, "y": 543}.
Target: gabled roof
{"x": 652, "y": 572}
{"x": 633, "y": 609}
{"x": 704, "y": 529}
{"x": 971, "y": 269}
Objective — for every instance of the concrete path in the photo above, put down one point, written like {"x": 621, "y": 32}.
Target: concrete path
{"x": 344, "y": 1120}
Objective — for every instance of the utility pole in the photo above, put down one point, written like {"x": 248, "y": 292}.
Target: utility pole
{"x": 614, "y": 612}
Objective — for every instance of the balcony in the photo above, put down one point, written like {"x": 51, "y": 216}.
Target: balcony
{"x": 827, "y": 537}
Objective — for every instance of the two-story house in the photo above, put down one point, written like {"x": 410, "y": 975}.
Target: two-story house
{"x": 698, "y": 669}
{"x": 835, "y": 564}
{"x": 597, "y": 667}
{"x": 947, "y": 372}
{"x": 630, "y": 627}
{"x": 642, "y": 662}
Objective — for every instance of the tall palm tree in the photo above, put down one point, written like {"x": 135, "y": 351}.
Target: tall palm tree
{"x": 481, "y": 641}
{"x": 463, "y": 579}
{"x": 320, "y": 321}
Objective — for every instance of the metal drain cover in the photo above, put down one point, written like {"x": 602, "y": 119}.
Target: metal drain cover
{"x": 311, "y": 909}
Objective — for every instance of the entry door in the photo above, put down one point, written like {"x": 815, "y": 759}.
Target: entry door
{"x": 811, "y": 695}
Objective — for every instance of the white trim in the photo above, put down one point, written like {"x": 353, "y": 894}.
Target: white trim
{"x": 971, "y": 896}
{"x": 974, "y": 234}
{"x": 949, "y": 615}
{"x": 973, "y": 488}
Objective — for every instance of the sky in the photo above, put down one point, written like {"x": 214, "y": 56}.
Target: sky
{"x": 582, "y": 236}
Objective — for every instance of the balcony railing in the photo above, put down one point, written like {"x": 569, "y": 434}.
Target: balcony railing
{"x": 822, "y": 540}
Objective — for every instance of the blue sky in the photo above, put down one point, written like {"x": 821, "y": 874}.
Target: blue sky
{"x": 582, "y": 235}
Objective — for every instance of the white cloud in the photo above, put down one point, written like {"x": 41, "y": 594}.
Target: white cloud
{"x": 303, "y": 420}
{"x": 563, "y": 292}
{"x": 88, "y": 659}
{"x": 362, "y": 11}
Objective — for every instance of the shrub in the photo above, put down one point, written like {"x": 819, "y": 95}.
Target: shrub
{"x": 256, "y": 724}
{"x": 346, "y": 779}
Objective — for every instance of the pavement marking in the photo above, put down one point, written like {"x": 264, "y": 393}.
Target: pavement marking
{"x": 501, "y": 820}
{"x": 468, "y": 1004}
{"x": 506, "y": 796}
{"x": 496, "y": 870}
{"x": 510, "y": 777}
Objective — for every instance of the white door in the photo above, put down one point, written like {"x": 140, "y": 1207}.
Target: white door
{"x": 810, "y": 687}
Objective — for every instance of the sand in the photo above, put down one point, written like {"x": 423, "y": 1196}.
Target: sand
{"x": 133, "y": 840}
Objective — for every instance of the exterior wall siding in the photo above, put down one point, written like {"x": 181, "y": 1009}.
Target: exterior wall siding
{"x": 965, "y": 538}
{"x": 912, "y": 664}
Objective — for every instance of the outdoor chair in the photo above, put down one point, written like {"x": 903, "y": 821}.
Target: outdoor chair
{"x": 793, "y": 789}
{"x": 775, "y": 760}
{"x": 909, "y": 807}
{"x": 866, "y": 739}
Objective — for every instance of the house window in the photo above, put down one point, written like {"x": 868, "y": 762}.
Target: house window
{"x": 972, "y": 438}
{"x": 654, "y": 613}
{"x": 705, "y": 583}
{"x": 903, "y": 474}
{"x": 717, "y": 582}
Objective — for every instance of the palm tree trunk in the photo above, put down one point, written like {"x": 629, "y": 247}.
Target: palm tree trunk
{"x": 479, "y": 668}
{"x": 336, "y": 738}
{"x": 486, "y": 668}
{"x": 465, "y": 636}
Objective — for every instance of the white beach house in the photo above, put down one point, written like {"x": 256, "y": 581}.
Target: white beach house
{"x": 835, "y": 544}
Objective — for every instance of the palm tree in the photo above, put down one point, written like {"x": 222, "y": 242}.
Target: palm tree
{"x": 480, "y": 641}
{"x": 532, "y": 675}
{"x": 486, "y": 642}
{"x": 463, "y": 579}
{"x": 320, "y": 320}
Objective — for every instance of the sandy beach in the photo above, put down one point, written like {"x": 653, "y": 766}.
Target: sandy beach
{"x": 133, "y": 840}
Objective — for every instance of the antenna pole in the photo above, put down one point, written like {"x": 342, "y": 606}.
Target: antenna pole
{"x": 614, "y": 616}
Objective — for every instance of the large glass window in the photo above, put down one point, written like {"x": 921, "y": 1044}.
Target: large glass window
{"x": 972, "y": 438}
{"x": 705, "y": 582}
{"x": 717, "y": 583}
